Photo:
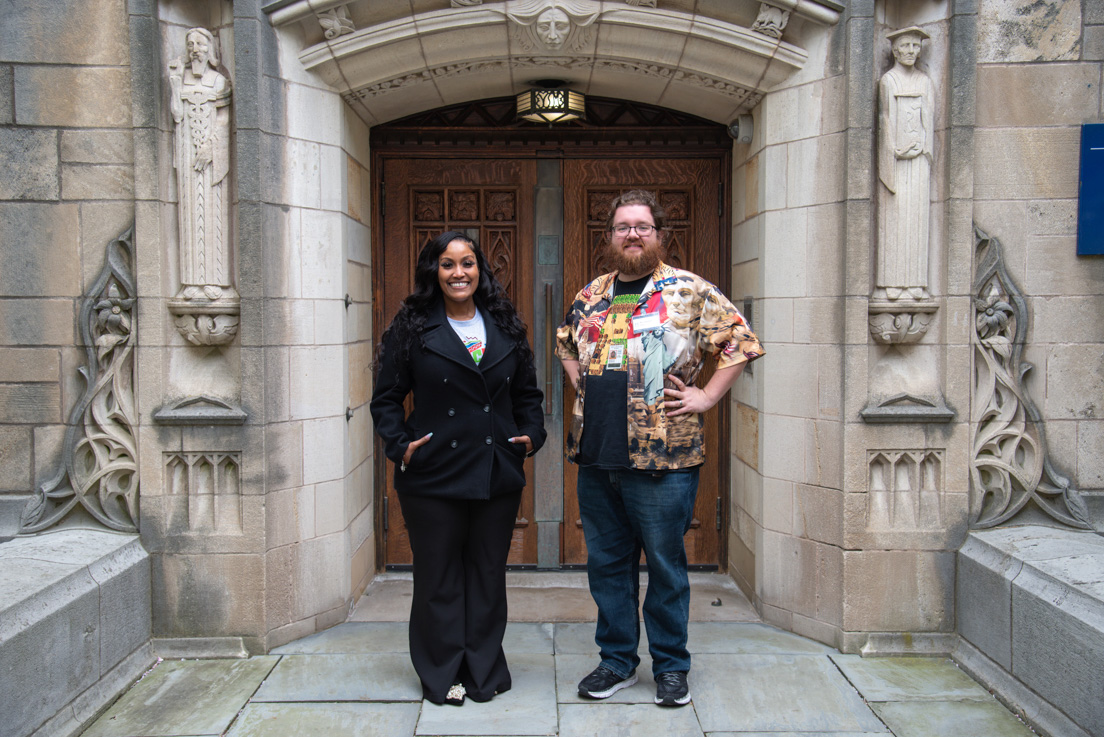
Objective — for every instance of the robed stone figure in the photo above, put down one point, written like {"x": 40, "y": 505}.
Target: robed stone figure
{"x": 906, "y": 134}
{"x": 200, "y": 105}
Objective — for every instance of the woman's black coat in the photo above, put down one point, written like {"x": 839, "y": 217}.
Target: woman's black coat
{"x": 471, "y": 410}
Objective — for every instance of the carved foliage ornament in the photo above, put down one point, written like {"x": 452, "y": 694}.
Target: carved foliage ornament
{"x": 335, "y": 22}
{"x": 1009, "y": 466}
{"x": 99, "y": 473}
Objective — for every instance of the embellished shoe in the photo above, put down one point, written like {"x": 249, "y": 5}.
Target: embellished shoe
{"x": 455, "y": 695}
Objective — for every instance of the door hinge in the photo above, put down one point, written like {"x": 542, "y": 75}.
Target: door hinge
{"x": 720, "y": 200}
{"x": 385, "y": 514}
{"x": 718, "y": 514}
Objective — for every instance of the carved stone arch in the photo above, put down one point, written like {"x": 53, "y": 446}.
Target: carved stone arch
{"x": 395, "y": 64}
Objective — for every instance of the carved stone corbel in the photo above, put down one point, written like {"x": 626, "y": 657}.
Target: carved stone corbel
{"x": 336, "y": 22}
{"x": 771, "y": 21}
{"x": 900, "y": 322}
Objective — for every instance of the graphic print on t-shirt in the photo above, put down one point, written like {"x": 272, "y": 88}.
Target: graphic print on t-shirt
{"x": 474, "y": 346}
{"x": 612, "y": 343}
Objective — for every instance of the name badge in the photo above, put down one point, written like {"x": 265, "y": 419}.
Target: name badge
{"x": 645, "y": 322}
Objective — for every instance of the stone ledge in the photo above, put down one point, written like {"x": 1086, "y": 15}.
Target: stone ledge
{"x": 1030, "y": 605}
{"x": 75, "y": 620}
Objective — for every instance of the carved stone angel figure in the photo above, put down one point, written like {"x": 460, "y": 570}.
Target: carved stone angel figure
{"x": 200, "y": 104}
{"x": 906, "y": 132}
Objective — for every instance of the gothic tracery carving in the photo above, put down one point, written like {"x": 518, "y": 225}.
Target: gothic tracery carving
{"x": 1009, "y": 464}
{"x": 99, "y": 472}
{"x": 905, "y": 490}
{"x": 208, "y": 487}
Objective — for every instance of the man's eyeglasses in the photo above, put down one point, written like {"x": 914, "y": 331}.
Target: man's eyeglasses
{"x": 643, "y": 230}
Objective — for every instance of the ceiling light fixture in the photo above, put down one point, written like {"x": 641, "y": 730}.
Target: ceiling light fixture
{"x": 551, "y": 103}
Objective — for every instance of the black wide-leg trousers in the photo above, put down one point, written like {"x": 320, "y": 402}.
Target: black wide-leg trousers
{"x": 458, "y": 613}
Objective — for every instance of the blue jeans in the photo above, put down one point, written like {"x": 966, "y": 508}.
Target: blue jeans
{"x": 624, "y": 511}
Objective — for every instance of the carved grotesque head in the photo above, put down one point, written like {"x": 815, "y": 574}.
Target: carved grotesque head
{"x": 552, "y": 27}
{"x": 553, "y": 24}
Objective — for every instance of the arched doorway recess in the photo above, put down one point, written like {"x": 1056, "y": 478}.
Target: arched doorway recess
{"x": 391, "y": 60}
{"x": 534, "y": 197}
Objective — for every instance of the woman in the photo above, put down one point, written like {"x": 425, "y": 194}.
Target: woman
{"x": 460, "y": 347}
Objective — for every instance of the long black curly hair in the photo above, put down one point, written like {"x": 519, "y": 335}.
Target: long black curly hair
{"x": 409, "y": 321}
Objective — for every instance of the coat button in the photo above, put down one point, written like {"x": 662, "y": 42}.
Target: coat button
{"x": 489, "y": 440}
{"x": 486, "y": 408}
{"x": 453, "y": 443}
{"x": 451, "y": 412}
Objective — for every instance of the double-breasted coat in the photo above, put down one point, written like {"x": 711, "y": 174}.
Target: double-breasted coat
{"x": 472, "y": 411}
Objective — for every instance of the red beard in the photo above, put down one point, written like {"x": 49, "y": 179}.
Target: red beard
{"x": 636, "y": 263}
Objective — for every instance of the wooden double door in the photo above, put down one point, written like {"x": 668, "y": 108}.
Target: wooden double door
{"x": 541, "y": 225}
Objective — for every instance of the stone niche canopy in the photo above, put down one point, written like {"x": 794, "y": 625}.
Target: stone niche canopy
{"x": 388, "y": 64}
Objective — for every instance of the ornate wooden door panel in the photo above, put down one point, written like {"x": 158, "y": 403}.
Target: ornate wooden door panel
{"x": 689, "y": 190}
{"x": 490, "y": 200}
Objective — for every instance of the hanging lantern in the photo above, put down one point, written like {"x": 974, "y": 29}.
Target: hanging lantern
{"x": 550, "y": 106}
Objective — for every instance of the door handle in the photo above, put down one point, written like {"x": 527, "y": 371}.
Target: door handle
{"x": 549, "y": 348}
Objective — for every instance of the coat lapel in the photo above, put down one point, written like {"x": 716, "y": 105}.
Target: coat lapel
{"x": 440, "y": 338}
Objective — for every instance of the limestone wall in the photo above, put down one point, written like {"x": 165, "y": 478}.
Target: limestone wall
{"x": 788, "y": 211}
{"x": 67, "y": 190}
{"x": 282, "y": 548}
{"x": 816, "y": 537}
{"x": 1037, "y": 83}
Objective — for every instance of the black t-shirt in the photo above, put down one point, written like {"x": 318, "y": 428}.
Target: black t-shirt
{"x": 605, "y": 440}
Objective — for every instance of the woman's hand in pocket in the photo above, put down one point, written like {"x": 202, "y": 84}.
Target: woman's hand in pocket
{"x": 413, "y": 446}
{"x": 525, "y": 440}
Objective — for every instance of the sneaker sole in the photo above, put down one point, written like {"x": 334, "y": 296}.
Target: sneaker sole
{"x": 673, "y": 702}
{"x": 609, "y": 691}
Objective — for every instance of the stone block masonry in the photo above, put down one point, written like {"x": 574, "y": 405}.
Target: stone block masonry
{"x": 74, "y": 627}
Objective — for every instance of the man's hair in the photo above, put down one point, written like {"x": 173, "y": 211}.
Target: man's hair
{"x": 638, "y": 197}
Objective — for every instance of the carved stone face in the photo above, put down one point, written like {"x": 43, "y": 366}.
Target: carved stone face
{"x": 198, "y": 48}
{"x": 906, "y": 49}
{"x": 553, "y": 25}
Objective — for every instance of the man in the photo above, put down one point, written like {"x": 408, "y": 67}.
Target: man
{"x": 638, "y": 454}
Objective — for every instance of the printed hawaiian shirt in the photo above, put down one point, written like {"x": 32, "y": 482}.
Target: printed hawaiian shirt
{"x": 678, "y": 319}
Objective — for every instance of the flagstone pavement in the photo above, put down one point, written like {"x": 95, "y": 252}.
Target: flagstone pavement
{"x": 748, "y": 679}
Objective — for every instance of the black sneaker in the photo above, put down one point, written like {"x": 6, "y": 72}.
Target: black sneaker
{"x": 603, "y": 683}
{"x": 671, "y": 689}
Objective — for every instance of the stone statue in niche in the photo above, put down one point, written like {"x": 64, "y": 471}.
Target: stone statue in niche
{"x": 771, "y": 21}
{"x": 906, "y": 131}
{"x": 553, "y": 23}
{"x": 207, "y": 305}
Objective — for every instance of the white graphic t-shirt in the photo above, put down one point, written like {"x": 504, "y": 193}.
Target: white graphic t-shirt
{"x": 474, "y": 335}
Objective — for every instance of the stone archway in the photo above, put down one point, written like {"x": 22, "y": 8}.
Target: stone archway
{"x": 388, "y": 63}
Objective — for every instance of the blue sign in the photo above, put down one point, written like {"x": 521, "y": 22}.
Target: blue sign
{"x": 1090, "y": 205}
